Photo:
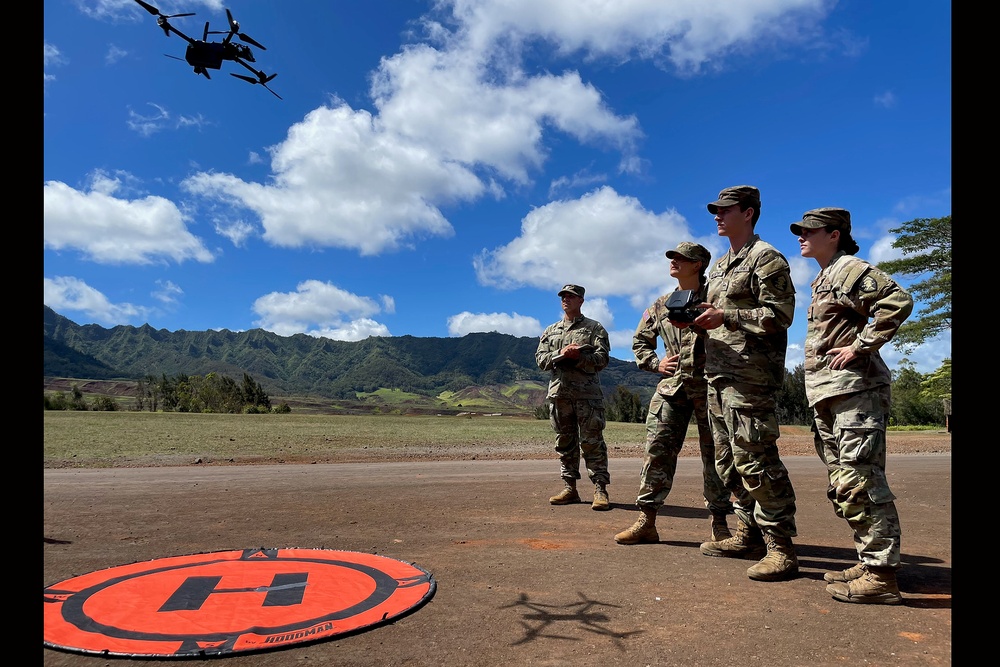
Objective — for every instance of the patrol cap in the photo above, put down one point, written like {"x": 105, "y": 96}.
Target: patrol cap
{"x": 572, "y": 289}
{"x": 745, "y": 194}
{"x": 692, "y": 251}
{"x": 834, "y": 218}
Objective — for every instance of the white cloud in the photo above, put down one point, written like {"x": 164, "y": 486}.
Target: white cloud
{"x": 689, "y": 35}
{"x": 597, "y": 309}
{"x": 604, "y": 241}
{"x": 237, "y": 231}
{"x": 149, "y": 124}
{"x": 319, "y": 309}
{"x": 161, "y": 119}
{"x": 804, "y": 271}
{"x": 352, "y": 331}
{"x": 882, "y": 250}
{"x": 621, "y": 344}
{"x": 461, "y": 120}
{"x": 68, "y": 294}
{"x": 926, "y": 358}
{"x": 114, "y": 54}
{"x": 886, "y": 100}
{"x": 51, "y": 57}
{"x": 513, "y": 324}
{"x": 168, "y": 292}
{"x": 795, "y": 355}
{"x": 341, "y": 182}
{"x": 109, "y": 230}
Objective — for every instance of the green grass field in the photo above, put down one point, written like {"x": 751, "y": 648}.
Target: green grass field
{"x": 110, "y": 439}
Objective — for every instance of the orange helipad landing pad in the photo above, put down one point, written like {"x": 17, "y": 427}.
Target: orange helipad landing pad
{"x": 230, "y": 602}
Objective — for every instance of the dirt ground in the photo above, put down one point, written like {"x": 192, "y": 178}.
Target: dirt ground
{"x": 520, "y": 581}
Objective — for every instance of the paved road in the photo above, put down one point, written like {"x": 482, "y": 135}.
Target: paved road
{"x": 520, "y": 581}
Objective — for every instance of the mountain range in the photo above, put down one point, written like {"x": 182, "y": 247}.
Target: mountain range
{"x": 303, "y": 365}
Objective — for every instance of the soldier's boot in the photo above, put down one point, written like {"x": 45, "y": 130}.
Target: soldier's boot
{"x": 850, "y": 574}
{"x": 876, "y": 585}
{"x": 568, "y": 495}
{"x": 780, "y": 561}
{"x": 643, "y": 531}
{"x": 720, "y": 529}
{"x": 748, "y": 542}
{"x": 601, "y": 501}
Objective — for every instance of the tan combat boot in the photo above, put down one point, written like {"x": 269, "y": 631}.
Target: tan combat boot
{"x": 877, "y": 585}
{"x": 601, "y": 501}
{"x": 720, "y": 529}
{"x": 748, "y": 542}
{"x": 643, "y": 531}
{"x": 849, "y": 574}
{"x": 567, "y": 496}
{"x": 780, "y": 561}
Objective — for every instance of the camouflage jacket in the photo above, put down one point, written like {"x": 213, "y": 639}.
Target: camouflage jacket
{"x": 689, "y": 343}
{"x": 853, "y": 304}
{"x": 754, "y": 288}
{"x": 576, "y": 379}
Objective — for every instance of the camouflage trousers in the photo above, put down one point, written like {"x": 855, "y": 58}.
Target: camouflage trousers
{"x": 579, "y": 426}
{"x": 849, "y": 433}
{"x": 666, "y": 427}
{"x": 745, "y": 430}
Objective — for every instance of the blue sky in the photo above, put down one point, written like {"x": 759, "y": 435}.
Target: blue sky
{"x": 440, "y": 168}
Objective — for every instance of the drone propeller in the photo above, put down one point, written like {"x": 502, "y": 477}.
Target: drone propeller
{"x": 234, "y": 27}
{"x": 156, "y": 12}
{"x": 261, "y": 79}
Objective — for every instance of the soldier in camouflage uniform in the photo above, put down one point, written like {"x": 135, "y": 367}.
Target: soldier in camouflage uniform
{"x": 855, "y": 310}
{"x": 750, "y": 304}
{"x": 680, "y": 395}
{"x": 575, "y": 349}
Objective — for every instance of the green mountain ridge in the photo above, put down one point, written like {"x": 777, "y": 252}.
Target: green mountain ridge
{"x": 480, "y": 364}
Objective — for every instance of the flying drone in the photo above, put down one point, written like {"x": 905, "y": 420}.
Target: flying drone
{"x": 204, "y": 55}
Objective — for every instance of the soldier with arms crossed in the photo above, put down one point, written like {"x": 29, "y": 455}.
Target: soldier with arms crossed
{"x": 855, "y": 310}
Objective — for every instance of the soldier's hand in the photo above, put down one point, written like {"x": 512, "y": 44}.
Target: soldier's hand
{"x": 669, "y": 365}
{"x": 840, "y": 357}
{"x": 712, "y": 318}
{"x": 571, "y": 351}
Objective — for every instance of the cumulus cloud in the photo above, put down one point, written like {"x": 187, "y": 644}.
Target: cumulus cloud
{"x": 67, "y": 294}
{"x": 513, "y": 324}
{"x": 111, "y": 230}
{"x": 319, "y": 309}
{"x": 604, "y": 241}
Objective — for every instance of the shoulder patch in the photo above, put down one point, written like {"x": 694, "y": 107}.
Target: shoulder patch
{"x": 868, "y": 284}
{"x": 780, "y": 282}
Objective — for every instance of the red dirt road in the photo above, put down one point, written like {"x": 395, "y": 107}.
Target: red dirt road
{"x": 518, "y": 580}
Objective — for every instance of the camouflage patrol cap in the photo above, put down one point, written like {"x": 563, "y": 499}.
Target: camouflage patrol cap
{"x": 572, "y": 289}
{"x": 692, "y": 251}
{"x": 833, "y": 218}
{"x": 745, "y": 194}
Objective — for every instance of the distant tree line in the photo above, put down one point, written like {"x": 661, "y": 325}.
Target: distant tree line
{"x": 917, "y": 399}
{"x": 180, "y": 393}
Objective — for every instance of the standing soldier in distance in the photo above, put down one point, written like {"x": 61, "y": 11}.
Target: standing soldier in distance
{"x": 680, "y": 395}
{"x": 750, "y": 304}
{"x": 855, "y": 310}
{"x": 575, "y": 350}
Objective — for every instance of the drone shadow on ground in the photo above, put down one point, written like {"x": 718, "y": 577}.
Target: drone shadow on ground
{"x": 543, "y": 620}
